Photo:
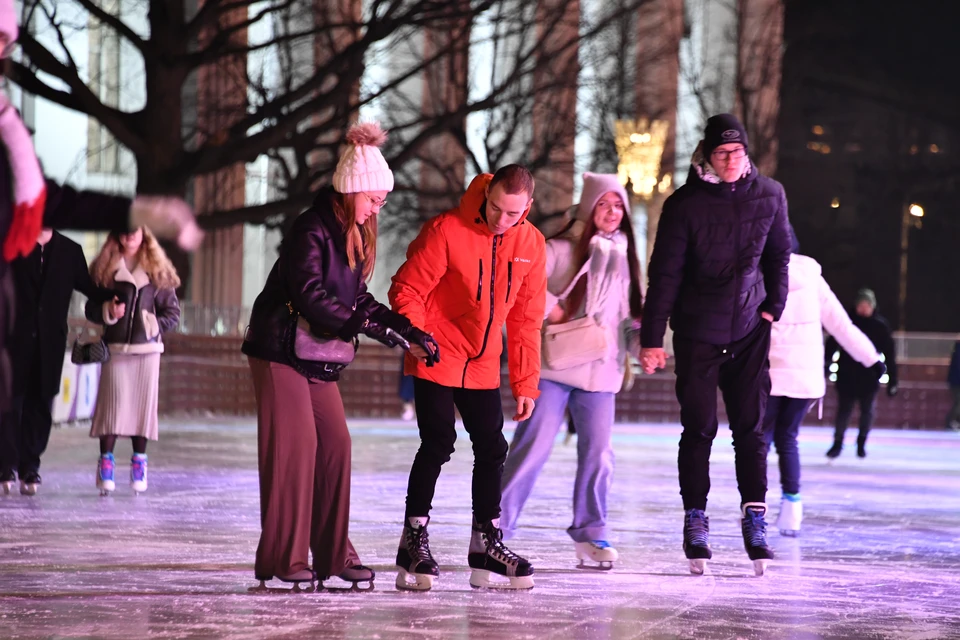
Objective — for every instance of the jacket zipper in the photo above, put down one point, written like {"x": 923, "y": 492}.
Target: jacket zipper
{"x": 486, "y": 334}
{"x": 509, "y": 281}
{"x": 736, "y": 265}
{"x": 480, "y": 281}
{"x": 133, "y": 310}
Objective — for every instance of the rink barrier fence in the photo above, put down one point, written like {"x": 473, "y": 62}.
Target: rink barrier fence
{"x": 207, "y": 375}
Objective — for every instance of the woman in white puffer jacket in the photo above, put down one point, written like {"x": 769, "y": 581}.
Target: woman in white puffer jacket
{"x": 593, "y": 273}
{"x": 796, "y": 370}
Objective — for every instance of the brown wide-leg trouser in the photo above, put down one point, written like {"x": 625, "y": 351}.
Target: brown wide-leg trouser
{"x": 303, "y": 447}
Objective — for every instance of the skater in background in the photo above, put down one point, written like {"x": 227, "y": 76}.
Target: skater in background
{"x": 953, "y": 379}
{"x": 592, "y": 272}
{"x": 44, "y": 280}
{"x": 303, "y": 443}
{"x": 470, "y": 271}
{"x": 719, "y": 274}
{"x": 796, "y": 370}
{"x": 857, "y": 384}
{"x": 405, "y": 392}
{"x": 144, "y": 307}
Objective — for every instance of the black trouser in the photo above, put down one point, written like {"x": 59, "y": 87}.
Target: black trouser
{"x": 846, "y": 399}
{"x": 25, "y": 428}
{"x": 781, "y": 424}
{"x": 482, "y": 414}
{"x": 742, "y": 372}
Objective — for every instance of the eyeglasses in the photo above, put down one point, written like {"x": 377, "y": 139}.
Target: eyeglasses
{"x": 736, "y": 154}
{"x": 376, "y": 203}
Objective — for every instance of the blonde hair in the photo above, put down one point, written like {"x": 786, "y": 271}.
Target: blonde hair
{"x": 150, "y": 257}
{"x": 361, "y": 239}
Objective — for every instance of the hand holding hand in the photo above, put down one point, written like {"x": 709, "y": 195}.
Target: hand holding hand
{"x": 423, "y": 346}
{"x": 879, "y": 369}
{"x": 652, "y": 358}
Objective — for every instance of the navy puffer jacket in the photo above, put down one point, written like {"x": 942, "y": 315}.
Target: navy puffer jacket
{"x": 720, "y": 259}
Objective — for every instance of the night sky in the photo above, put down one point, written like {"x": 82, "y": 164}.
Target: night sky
{"x": 881, "y": 80}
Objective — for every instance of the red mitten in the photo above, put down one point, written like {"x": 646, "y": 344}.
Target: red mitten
{"x": 25, "y": 228}
{"x": 29, "y": 188}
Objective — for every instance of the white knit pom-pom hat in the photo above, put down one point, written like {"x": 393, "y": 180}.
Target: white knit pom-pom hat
{"x": 361, "y": 166}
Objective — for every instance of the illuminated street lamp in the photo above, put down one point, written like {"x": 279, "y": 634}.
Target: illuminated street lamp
{"x": 912, "y": 219}
{"x": 640, "y": 145}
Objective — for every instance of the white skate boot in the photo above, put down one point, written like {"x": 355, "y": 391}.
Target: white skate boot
{"x": 791, "y": 513}
{"x": 597, "y": 551}
{"x": 7, "y": 480}
{"x": 105, "y": 480}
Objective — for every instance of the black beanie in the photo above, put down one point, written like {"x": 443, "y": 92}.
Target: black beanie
{"x": 722, "y": 129}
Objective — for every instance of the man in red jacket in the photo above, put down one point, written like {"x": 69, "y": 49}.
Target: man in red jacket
{"x": 471, "y": 271}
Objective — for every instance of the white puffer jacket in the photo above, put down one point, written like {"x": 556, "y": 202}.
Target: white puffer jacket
{"x": 796, "y": 342}
{"x": 608, "y": 291}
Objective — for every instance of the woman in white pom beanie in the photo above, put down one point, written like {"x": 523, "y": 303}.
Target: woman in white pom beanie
{"x": 302, "y": 334}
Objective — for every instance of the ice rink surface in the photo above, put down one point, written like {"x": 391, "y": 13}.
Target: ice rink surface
{"x": 878, "y": 557}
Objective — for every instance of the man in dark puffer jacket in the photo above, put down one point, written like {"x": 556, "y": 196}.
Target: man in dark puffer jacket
{"x": 719, "y": 273}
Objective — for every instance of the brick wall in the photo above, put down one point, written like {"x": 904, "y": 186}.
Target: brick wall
{"x": 201, "y": 374}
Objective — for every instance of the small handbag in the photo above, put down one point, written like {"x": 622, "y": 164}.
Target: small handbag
{"x": 573, "y": 343}
{"x": 91, "y": 353}
{"x": 304, "y": 345}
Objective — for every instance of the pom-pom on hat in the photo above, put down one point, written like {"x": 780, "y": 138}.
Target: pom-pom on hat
{"x": 361, "y": 166}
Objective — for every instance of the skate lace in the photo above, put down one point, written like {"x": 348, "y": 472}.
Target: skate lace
{"x": 498, "y": 550}
{"x": 755, "y": 528}
{"x": 697, "y": 528}
{"x": 418, "y": 544}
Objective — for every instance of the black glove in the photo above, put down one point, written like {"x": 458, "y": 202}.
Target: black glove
{"x": 383, "y": 334}
{"x": 879, "y": 369}
{"x": 426, "y": 342}
{"x": 892, "y": 389}
{"x": 393, "y": 329}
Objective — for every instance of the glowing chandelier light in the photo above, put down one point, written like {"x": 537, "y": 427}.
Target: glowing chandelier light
{"x": 640, "y": 145}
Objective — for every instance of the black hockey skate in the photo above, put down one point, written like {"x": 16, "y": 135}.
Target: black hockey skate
{"x": 754, "y": 528}
{"x": 296, "y": 578}
{"x": 696, "y": 540}
{"x": 417, "y": 568}
{"x": 488, "y": 555}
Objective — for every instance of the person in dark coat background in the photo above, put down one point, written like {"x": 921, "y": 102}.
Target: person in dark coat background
{"x": 953, "y": 379}
{"x": 719, "y": 273}
{"x": 44, "y": 282}
{"x": 857, "y": 384}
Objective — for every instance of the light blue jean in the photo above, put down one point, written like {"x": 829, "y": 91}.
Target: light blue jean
{"x": 592, "y": 415}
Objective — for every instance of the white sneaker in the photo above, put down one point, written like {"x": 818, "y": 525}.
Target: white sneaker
{"x": 408, "y": 412}
{"x": 791, "y": 514}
